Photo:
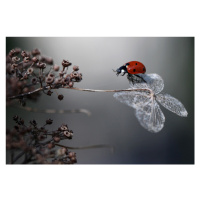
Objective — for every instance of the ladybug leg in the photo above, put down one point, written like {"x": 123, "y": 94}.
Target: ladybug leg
{"x": 140, "y": 77}
{"x": 123, "y": 74}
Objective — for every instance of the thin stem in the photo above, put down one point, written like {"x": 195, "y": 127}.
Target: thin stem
{"x": 80, "y": 89}
{"x": 128, "y": 90}
{"x": 25, "y": 94}
{"x": 18, "y": 156}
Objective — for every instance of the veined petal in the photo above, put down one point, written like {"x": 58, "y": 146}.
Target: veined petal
{"x": 153, "y": 82}
{"x": 172, "y": 104}
{"x": 148, "y": 111}
{"x": 151, "y": 117}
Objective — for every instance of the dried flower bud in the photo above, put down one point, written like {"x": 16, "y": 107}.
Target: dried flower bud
{"x": 68, "y": 134}
{"x": 41, "y": 65}
{"x": 49, "y": 80}
{"x": 33, "y": 122}
{"x": 71, "y": 154}
{"x": 64, "y": 82}
{"x": 74, "y": 76}
{"x": 51, "y": 75}
{"x": 41, "y": 137}
{"x": 64, "y": 127}
{"x": 15, "y": 59}
{"x": 67, "y": 79}
{"x": 71, "y": 84}
{"x": 35, "y": 59}
{"x": 56, "y": 68}
{"x": 56, "y": 139}
{"x": 30, "y": 70}
{"x": 61, "y": 152}
{"x": 11, "y": 53}
{"x": 75, "y": 68}
{"x": 66, "y": 63}
{"x": 23, "y": 54}
{"x": 25, "y": 76}
{"x": 50, "y": 145}
{"x": 60, "y": 97}
{"x": 49, "y": 121}
{"x": 49, "y": 92}
{"x": 58, "y": 81}
{"x": 34, "y": 80}
{"x": 73, "y": 159}
{"x": 13, "y": 66}
{"x": 35, "y": 52}
{"x": 26, "y": 89}
{"x": 47, "y": 60}
{"x": 26, "y": 59}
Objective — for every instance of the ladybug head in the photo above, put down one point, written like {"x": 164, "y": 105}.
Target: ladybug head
{"x": 118, "y": 71}
{"x": 121, "y": 69}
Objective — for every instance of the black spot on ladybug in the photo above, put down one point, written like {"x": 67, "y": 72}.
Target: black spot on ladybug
{"x": 135, "y": 63}
{"x": 143, "y": 69}
{"x": 134, "y": 70}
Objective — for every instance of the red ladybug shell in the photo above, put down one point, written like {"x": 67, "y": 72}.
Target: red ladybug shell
{"x": 135, "y": 67}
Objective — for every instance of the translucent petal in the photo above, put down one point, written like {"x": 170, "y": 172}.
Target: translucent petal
{"x": 148, "y": 111}
{"x": 153, "y": 82}
{"x": 172, "y": 104}
{"x": 134, "y": 99}
{"x": 151, "y": 117}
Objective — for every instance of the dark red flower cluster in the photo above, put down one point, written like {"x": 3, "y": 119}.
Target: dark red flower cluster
{"x": 32, "y": 144}
{"x": 28, "y": 71}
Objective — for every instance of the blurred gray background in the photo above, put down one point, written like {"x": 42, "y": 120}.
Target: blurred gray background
{"x": 112, "y": 122}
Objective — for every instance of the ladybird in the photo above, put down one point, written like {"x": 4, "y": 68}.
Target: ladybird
{"x": 132, "y": 67}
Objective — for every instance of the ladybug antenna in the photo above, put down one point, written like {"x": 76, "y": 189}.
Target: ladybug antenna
{"x": 114, "y": 70}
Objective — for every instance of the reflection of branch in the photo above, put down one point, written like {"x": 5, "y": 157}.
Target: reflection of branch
{"x": 80, "y": 89}
{"x": 87, "y": 147}
{"x": 53, "y": 111}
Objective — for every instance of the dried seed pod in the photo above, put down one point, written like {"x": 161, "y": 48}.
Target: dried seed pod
{"x": 71, "y": 84}
{"x": 30, "y": 70}
{"x": 56, "y": 139}
{"x": 49, "y": 93}
{"x": 47, "y": 60}
{"x": 12, "y": 53}
{"x": 35, "y": 52}
{"x": 34, "y": 80}
{"x": 49, "y": 80}
{"x": 66, "y": 63}
{"x": 23, "y": 54}
{"x": 56, "y": 68}
{"x": 60, "y": 97}
{"x": 75, "y": 68}
{"x": 15, "y": 59}
{"x": 49, "y": 121}
{"x": 26, "y": 59}
{"x": 41, "y": 65}
{"x": 35, "y": 59}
